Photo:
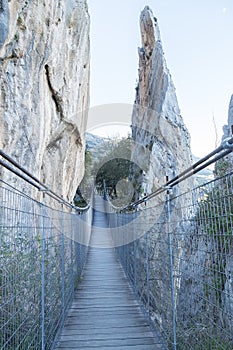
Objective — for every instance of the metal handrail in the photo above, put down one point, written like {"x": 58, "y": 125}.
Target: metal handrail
{"x": 226, "y": 146}
{"x": 32, "y": 180}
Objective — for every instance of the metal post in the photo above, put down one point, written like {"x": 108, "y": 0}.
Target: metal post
{"x": 72, "y": 256}
{"x": 43, "y": 278}
{"x": 63, "y": 269}
{"x": 124, "y": 246}
{"x": 171, "y": 268}
{"x": 147, "y": 274}
{"x": 127, "y": 247}
{"x": 135, "y": 258}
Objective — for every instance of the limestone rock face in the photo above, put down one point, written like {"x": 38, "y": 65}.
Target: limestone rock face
{"x": 161, "y": 148}
{"x": 224, "y": 166}
{"x": 162, "y": 142}
{"x": 44, "y": 72}
{"x": 228, "y": 129}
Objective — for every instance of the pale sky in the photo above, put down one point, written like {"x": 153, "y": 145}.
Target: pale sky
{"x": 197, "y": 38}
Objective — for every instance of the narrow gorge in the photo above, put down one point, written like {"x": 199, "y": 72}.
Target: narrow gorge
{"x": 172, "y": 238}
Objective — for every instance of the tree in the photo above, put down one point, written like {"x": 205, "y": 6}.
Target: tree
{"x": 115, "y": 166}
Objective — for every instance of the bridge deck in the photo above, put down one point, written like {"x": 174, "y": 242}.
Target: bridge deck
{"x": 105, "y": 314}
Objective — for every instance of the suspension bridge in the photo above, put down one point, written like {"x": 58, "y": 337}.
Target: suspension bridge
{"x": 105, "y": 313}
{"x": 154, "y": 276}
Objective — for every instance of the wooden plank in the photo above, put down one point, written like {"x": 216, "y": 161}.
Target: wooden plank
{"x": 130, "y": 331}
{"x": 124, "y": 341}
{"x": 133, "y": 347}
{"x": 104, "y": 314}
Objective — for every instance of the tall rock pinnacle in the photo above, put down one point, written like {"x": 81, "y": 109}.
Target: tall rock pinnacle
{"x": 162, "y": 142}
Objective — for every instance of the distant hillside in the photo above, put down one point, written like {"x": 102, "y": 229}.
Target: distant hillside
{"x": 93, "y": 141}
{"x": 203, "y": 176}
{"x": 98, "y": 146}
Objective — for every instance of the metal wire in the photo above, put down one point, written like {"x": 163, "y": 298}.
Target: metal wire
{"x": 22, "y": 173}
{"x": 42, "y": 254}
{"x": 181, "y": 268}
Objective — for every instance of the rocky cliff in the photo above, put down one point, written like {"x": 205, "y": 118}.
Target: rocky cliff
{"x": 226, "y": 165}
{"x": 44, "y": 72}
{"x": 206, "y": 274}
{"x": 228, "y": 129}
{"x": 161, "y": 148}
{"x": 162, "y": 142}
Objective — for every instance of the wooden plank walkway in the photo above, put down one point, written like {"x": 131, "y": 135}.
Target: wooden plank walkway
{"x": 105, "y": 314}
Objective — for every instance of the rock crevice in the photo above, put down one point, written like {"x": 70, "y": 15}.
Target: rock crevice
{"x": 57, "y": 99}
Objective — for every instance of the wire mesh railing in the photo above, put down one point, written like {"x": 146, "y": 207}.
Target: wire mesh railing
{"x": 177, "y": 251}
{"x": 42, "y": 254}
